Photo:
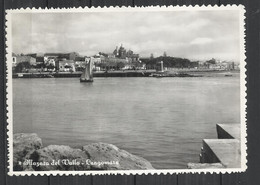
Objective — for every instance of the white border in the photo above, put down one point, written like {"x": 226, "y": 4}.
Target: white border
{"x": 9, "y": 101}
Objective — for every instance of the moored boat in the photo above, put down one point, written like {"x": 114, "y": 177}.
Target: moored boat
{"x": 19, "y": 75}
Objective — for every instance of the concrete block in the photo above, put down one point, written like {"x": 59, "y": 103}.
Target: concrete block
{"x": 224, "y": 151}
{"x": 228, "y": 131}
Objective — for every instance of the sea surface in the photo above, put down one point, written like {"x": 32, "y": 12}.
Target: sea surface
{"x": 161, "y": 119}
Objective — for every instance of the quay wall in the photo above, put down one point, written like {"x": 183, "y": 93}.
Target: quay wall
{"x": 207, "y": 155}
{"x": 223, "y": 152}
{"x": 228, "y": 131}
{"x": 78, "y": 74}
{"x": 127, "y": 73}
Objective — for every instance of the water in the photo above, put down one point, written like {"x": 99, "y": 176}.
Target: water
{"x": 163, "y": 120}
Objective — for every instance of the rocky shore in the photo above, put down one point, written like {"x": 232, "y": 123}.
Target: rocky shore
{"x": 30, "y": 155}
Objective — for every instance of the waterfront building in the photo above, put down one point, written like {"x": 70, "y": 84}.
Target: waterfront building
{"x": 219, "y": 65}
{"x": 80, "y": 63}
{"x": 50, "y": 61}
{"x": 123, "y": 54}
{"x": 66, "y": 66}
{"x": 35, "y": 55}
{"x": 39, "y": 60}
{"x": 110, "y": 55}
{"x": 122, "y": 59}
{"x": 214, "y": 66}
{"x": 62, "y": 61}
{"x": 228, "y": 65}
{"x": 59, "y": 56}
{"x": 73, "y": 55}
{"x": 14, "y": 62}
{"x": 23, "y": 58}
{"x": 236, "y": 66}
{"x": 116, "y": 60}
{"x": 127, "y": 67}
{"x": 97, "y": 58}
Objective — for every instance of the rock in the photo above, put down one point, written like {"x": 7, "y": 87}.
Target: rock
{"x": 104, "y": 156}
{"x": 28, "y": 155}
{"x": 23, "y": 145}
{"x": 59, "y": 157}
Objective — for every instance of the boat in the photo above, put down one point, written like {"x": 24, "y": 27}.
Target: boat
{"x": 228, "y": 74}
{"x": 19, "y": 75}
{"x": 159, "y": 76}
{"x": 87, "y": 75}
{"x": 49, "y": 76}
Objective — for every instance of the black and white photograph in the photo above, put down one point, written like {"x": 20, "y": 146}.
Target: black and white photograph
{"x": 126, "y": 90}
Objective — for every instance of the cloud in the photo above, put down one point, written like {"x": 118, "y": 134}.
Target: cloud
{"x": 200, "y": 41}
{"x": 196, "y": 34}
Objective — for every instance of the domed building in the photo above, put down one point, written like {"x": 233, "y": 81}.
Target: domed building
{"x": 122, "y": 52}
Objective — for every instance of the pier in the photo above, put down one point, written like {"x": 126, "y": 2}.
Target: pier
{"x": 224, "y": 152}
{"x": 228, "y": 131}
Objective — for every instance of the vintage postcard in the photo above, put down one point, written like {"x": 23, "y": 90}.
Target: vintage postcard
{"x": 127, "y": 90}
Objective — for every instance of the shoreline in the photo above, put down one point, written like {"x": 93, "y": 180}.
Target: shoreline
{"x": 29, "y": 154}
{"x": 126, "y": 73}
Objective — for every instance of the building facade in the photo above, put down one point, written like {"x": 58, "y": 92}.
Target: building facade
{"x": 66, "y": 66}
{"x": 19, "y": 59}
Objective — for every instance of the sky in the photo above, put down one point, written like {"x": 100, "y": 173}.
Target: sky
{"x": 197, "y": 35}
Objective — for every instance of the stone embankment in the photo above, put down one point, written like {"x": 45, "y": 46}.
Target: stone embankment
{"x": 224, "y": 152}
{"x": 29, "y": 154}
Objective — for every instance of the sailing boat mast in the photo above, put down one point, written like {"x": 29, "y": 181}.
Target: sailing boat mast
{"x": 87, "y": 75}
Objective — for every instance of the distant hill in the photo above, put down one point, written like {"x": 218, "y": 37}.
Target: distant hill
{"x": 169, "y": 62}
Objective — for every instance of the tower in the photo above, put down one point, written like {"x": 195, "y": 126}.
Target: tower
{"x": 115, "y": 52}
{"x": 122, "y": 52}
{"x": 161, "y": 66}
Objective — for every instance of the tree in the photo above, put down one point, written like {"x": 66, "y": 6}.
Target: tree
{"x": 22, "y": 66}
{"x": 212, "y": 61}
{"x": 120, "y": 65}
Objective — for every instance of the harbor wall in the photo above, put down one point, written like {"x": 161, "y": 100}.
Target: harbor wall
{"x": 224, "y": 152}
{"x": 78, "y": 74}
